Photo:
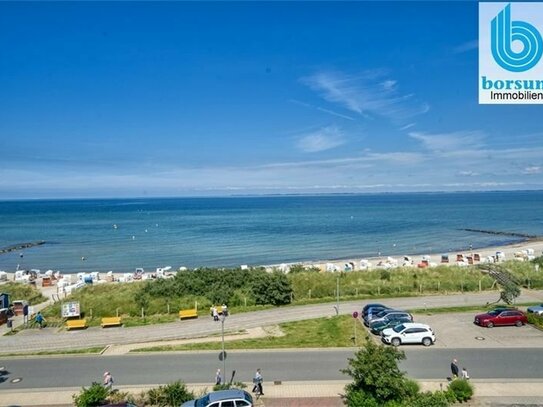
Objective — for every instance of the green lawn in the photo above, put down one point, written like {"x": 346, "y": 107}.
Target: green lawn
{"x": 312, "y": 333}
{"x": 94, "y": 350}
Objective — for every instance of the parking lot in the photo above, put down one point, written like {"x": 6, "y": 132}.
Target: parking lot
{"x": 457, "y": 330}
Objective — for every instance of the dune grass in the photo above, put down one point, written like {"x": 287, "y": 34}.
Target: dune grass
{"x": 20, "y": 291}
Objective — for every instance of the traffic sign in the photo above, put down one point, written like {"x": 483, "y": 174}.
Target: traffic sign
{"x": 355, "y": 314}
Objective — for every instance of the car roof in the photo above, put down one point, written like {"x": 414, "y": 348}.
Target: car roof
{"x": 415, "y": 325}
{"x": 226, "y": 394}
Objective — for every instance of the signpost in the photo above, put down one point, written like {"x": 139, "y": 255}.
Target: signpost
{"x": 70, "y": 309}
{"x": 355, "y": 317}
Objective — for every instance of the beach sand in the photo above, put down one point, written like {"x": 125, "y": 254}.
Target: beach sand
{"x": 509, "y": 250}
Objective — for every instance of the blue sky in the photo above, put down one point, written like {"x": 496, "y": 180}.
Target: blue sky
{"x": 172, "y": 99}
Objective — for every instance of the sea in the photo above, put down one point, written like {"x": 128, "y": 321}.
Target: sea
{"x": 123, "y": 234}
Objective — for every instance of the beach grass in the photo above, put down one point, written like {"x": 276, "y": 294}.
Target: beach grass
{"x": 328, "y": 332}
{"x": 128, "y": 300}
{"x": 20, "y": 291}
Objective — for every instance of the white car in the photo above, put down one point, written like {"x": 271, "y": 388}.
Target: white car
{"x": 408, "y": 332}
{"x": 537, "y": 309}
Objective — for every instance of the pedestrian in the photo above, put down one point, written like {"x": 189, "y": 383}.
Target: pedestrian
{"x": 465, "y": 375}
{"x": 257, "y": 383}
{"x": 218, "y": 378}
{"x": 40, "y": 320}
{"x": 454, "y": 369}
{"x": 108, "y": 380}
{"x": 215, "y": 314}
{"x": 224, "y": 310}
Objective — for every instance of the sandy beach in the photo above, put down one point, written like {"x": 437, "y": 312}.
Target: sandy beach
{"x": 379, "y": 261}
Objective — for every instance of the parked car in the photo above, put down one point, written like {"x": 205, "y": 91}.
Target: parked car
{"x": 372, "y": 312}
{"x": 377, "y": 327}
{"x": 380, "y": 314}
{"x": 222, "y": 398}
{"x": 409, "y": 332}
{"x": 501, "y": 316}
{"x": 392, "y": 316}
{"x": 368, "y": 306}
{"x": 536, "y": 309}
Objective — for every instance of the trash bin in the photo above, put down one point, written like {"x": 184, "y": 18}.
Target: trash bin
{"x": 10, "y": 323}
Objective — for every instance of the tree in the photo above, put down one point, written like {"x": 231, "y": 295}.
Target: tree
{"x": 272, "y": 288}
{"x": 377, "y": 377}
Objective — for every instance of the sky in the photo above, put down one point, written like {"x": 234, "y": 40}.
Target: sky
{"x": 138, "y": 99}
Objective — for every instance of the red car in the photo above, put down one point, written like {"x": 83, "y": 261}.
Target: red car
{"x": 501, "y": 317}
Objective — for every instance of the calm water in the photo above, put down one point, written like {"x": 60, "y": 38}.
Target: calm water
{"x": 197, "y": 232}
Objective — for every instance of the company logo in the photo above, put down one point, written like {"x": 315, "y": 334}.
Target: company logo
{"x": 505, "y": 33}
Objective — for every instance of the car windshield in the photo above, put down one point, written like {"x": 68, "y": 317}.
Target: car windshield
{"x": 399, "y": 328}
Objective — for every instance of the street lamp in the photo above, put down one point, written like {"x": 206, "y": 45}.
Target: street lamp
{"x": 223, "y": 353}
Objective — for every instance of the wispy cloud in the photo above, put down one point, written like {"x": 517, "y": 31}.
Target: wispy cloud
{"x": 321, "y": 140}
{"x": 532, "y": 170}
{"x": 447, "y": 142}
{"x": 467, "y": 173}
{"x": 407, "y": 126}
{"x": 370, "y": 93}
{"x": 467, "y": 46}
{"x": 322, "y": 109}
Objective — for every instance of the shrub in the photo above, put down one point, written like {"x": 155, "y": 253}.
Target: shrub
{"x": 95, "y": 395}
{"x": 227, "y": 386}
{"x": 170, "y": 395}
{"x": 536, "y": 320}
{"x": 462, "y": 389}
{"x": 429, "y": 399}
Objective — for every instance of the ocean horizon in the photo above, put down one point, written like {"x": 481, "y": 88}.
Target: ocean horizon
{"x": 122, "y": 234}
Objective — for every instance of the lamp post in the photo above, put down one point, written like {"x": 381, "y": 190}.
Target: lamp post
{"x": 337, "y": 292}
{"x": 223, "y": 317}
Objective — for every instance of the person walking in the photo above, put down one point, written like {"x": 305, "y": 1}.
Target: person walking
{"x": 454, "y": 369}
{"x": 215, "y": 314}
{"x": 224, "y": 310}
{"x": 257, "y": 383}
{"x": 40, "y": 319}
{"x": 465, "y": 375}
{"x": 218, "y": 377}
{"x": 108, "y": 380}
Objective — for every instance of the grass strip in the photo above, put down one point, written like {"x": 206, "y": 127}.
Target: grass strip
{"x": 311, "y": 333}
{"x": 93, "y": 350}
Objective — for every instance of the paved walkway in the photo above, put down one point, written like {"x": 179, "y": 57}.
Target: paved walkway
{"x": 299, "y": 394}
{"x": 34, "y": 340}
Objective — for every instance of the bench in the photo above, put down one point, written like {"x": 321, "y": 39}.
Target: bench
{"x": 188, "y": 313}
{"x": 76, "y": 323}
{"x": 111, "y": 321}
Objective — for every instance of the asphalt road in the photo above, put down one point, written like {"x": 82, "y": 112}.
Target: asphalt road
{"x": 152, "y": 369}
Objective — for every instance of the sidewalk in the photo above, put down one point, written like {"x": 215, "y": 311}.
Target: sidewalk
{"x": 301, "y": 394}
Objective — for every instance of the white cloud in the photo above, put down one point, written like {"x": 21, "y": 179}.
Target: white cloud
{"x": 450, "y": 142}
{"x": 467, "y": 173}
{"x": 321, "y": 140}
{"x": 467, "y": 46}
{"x": 534, "y": 169}
{"x": 370, "y": 93}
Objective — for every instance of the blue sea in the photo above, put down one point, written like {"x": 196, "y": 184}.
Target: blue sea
{"x": 81, "y": 235}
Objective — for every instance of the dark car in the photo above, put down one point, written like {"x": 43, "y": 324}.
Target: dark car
{"x": 368, "y": 306}
{"x": 393, "y": 315}
{"x": 377, "y": 315}
{"x": 372, "y": 313}
{"x": 501, "y": 316}
{"x": 379, "y": 326}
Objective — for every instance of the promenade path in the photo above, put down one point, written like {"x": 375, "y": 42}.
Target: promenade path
{"x": 33, "y": 340}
